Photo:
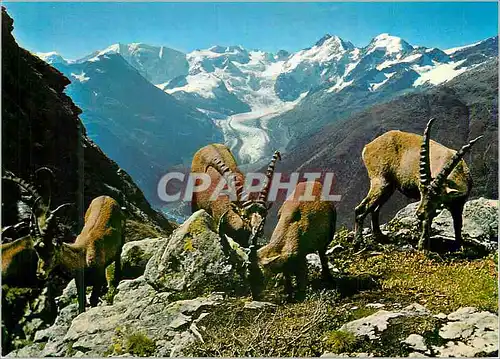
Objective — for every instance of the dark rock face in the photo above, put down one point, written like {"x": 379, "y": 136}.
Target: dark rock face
{"x": 40, "y": 127}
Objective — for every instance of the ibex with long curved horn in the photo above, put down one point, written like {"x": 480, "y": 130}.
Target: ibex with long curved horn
{"x": 421, "y": 169}
{"x": 306, "y": 225}
{"x": 244, "y": 216}
{"x": 98, "y": 245}
{"x": 19, "y": 257}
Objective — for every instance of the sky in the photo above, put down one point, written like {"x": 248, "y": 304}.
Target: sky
{"x": 77, "y": 29}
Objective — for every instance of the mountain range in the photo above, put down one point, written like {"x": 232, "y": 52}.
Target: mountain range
{"x": 151, "y": 107}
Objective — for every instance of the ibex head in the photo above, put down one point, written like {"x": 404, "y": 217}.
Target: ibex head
{"x": 41, "y": 220}
{"x": 253, "y": 213}
{"x": 434, "y": 190}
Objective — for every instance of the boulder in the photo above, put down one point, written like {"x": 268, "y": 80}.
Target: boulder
{"x": 373, "y": 325}
{"x": 136, "y": 254}
{"x": 480, "y": 223}
{"x": 193, "y": 261}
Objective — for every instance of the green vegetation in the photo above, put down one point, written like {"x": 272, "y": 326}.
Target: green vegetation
{"x": 441, "y": 285}
{"x": 128, "y": 341}
{"x": 340, "y": 341}
{"x": 312, "y": 327}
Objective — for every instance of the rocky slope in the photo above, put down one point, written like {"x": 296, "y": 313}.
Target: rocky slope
{"x": 41, "y": 128}
{"x": 465, "y": 107}
{"x": 189, "y": 300}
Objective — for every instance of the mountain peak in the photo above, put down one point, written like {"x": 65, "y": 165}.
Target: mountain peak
{"x": 51, "y": 57}
{"x": 328, "y": 39}
{"x": 391, "y": 44}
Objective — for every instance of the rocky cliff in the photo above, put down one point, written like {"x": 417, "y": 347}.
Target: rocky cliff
{"x": 41, "y": 127}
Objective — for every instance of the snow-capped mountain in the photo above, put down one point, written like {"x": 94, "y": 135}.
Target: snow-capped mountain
{"x": 51, "y": 57}
{"x": 156, "y": 63}
{"x": 263, "y": 100}
{"x": 229, "y": 80}
{"x": 145, "y": 130}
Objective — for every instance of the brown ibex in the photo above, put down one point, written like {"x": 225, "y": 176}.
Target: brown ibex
{"x": 98, "y": 245}
{"x": 420, "y": 169}
{"x": 305, "y": 225}
{"x": 244, "y": 216}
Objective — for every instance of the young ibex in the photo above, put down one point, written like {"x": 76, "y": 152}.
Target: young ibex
{"x": 304, "y": 226}
{"x": 420, "y": 169}
{"x": 97, "y": 246}
{"x": 244, "y": 217}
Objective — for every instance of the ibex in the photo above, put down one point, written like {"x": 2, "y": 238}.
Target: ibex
{"x": 19, "y": 257}
{"x": 99, "y": 244}
{"x": 304, "y": 226}
{"x": 420, "y": 169}
{"x": 244, "y": 217}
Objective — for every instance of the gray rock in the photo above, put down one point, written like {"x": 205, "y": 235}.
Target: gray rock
{"x": 417, "y": 355}
{"x": 416, "y": 342}
{"x": 470, "y": 332}
{"x": 456, "y": 330}
{"x": 314, "y": 261}
{"x": 136, "y": 254}
{"x": 374, "y": 324}
{"x": 480, "y": 224}
{"x": 68, "y": 296}
{"x": 192, "y": 260}
{"x": 441, "y": 316}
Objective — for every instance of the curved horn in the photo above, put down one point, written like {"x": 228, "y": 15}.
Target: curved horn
{"x": 53, "y": 213}
{"x": 269, "y": 175}
{"x": 9, "y": 176}
{"x": 230, "y": 177}
{"x": 45, "y": 169}
{"x": 452, "y": 163}
{"x": 425, "y": 165}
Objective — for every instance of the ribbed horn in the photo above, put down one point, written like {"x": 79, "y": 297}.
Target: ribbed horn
{"x": 9, "y": 176}
{"x": 425, "y": 164}
{"x": 230, "y": 177}
{"x": 269, "y": 175}
{"x": 38, "y": 203}
{"x": 452, "y": 163}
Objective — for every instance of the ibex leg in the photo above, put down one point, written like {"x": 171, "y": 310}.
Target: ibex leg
{"x": 80, "y": 290}
{"x": 378, "y": 190}
{"x": 301, "y": 276}
{"x": 99, "y": 282}
{"x": 118, "y": 270}
{"x": 288, "y": 284}
{"x": 325, "y": 271}
{"x": 456, "y": 213}
{"x": 386, "y": 193}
